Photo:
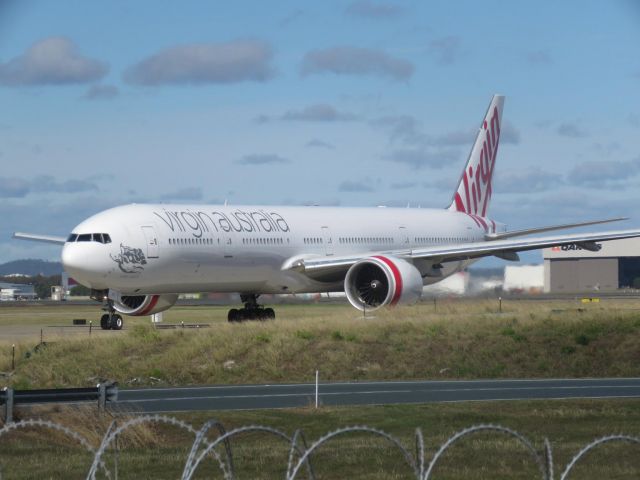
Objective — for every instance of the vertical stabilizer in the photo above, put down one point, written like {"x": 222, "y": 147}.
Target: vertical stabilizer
{"x": 474, "y": 189}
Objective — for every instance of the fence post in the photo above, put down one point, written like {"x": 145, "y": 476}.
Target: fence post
{"x": 317, "y": 375}
{"x": 102, "y": 396}
{"x": 90, "y": 326}
{"x": 13, "y": 357}
{"x": 8, "y": 405}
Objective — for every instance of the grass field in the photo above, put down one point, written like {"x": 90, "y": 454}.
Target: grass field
{"x": 158, "y": 451}
{"x": 462, "y": 339}
{"x": 453, "y": 339}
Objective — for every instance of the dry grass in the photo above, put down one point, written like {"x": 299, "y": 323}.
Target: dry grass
{"x": 462, "y": 339}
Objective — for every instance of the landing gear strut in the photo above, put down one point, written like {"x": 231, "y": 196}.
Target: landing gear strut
{"x": 251, "y": 310}
{"x": 111, "y": 320}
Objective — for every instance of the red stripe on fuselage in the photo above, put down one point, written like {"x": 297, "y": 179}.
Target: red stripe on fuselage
{"x": 151, "y": 306}
{"x": 396, "y": 276}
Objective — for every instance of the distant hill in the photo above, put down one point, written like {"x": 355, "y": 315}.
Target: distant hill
{"x": 31, "y": 267}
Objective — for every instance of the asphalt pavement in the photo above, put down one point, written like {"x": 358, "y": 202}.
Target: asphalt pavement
{"x": 243, "y": 397}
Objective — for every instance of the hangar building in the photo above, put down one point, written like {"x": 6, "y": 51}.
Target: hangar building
{"x": 571, "y": 268}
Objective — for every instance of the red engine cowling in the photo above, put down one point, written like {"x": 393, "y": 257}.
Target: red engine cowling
{"x": 381, "y": 280}
{"x": 138, "y": 305}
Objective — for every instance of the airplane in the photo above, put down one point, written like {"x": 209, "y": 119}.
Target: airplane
{"x": 137, "y": 259}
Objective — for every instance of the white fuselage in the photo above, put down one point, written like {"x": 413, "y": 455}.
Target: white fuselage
{"x": 154, "y": 249}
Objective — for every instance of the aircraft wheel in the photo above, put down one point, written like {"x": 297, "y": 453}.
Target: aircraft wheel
{"x": 116, "y": 322}
{"x": 233, "y": 315}
{"x": 269, "y": 314}
{"x": 104, "y": 322}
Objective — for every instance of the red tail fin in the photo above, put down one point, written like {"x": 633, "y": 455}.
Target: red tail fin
{"x": 474, "y": 190}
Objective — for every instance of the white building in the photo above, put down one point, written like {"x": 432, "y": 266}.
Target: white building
{"x": 524, "y": 278}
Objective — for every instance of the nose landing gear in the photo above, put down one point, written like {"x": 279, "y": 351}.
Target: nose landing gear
{"x": 111, "y": 320}
{"x": 251, "y": 310}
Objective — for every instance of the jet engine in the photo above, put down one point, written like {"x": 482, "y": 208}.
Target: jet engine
{"x": 138, "y": 305}
{"x": 377, "y": 281}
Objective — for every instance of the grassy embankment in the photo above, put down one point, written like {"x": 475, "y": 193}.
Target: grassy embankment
{"x": 463, "y": 339}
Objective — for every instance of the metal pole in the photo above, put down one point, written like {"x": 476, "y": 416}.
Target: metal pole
{"x": 317, "y": 375}
{"x": 40, "y": 335}
{"x": 13, "y": 357}
{"x": 90, "y": 325}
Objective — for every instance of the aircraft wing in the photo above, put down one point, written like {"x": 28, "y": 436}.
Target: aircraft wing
{"x": 331, "y": 267}
{"x": 39, "y": 238}
{"x": 529, "y": 231}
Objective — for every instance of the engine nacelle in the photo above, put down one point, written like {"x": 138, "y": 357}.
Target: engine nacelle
{"x": 381, "y": 280}
{"x": 138, "y": 305}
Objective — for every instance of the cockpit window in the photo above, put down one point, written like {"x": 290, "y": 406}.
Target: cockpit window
{"x": 90, "y": 237}
{"x": 101, "y": 237}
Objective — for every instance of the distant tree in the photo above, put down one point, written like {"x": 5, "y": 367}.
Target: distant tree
{"x": 42, "y": 285}
{"x": 80, "y": 291}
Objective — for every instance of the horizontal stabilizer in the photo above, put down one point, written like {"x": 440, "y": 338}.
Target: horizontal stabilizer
{"x": 39, "y": 238}
{"x": 530, "y": 231}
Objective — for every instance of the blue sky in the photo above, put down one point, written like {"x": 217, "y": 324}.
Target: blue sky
{"x": 334, "y": 103}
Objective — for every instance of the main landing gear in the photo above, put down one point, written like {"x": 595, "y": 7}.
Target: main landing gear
{"x": 251, "y": 310}
{"x": 111, "y": 320}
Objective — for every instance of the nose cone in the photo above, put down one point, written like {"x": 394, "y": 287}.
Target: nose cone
{"x": 82, "y": 264}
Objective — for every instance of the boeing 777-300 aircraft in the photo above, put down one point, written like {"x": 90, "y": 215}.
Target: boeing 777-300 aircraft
{"x": 137, "y": 259}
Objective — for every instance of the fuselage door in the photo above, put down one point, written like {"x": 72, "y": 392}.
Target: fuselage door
{"x": 404, "y": 238}
{"x": 328, "y": 241}
{"x": 227, "y": 244}
{"x": 152, "y": 241}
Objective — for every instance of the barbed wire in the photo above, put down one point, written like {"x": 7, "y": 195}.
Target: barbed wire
{"x": 300, "y": 452}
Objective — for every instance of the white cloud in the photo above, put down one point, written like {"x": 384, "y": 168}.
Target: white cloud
{"x": 205, "y": 63}
{"x": 51, "y": 61}
{"x": 356, "y": 61}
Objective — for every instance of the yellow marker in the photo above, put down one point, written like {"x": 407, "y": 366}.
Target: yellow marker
{"x": 590, "y": 300}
